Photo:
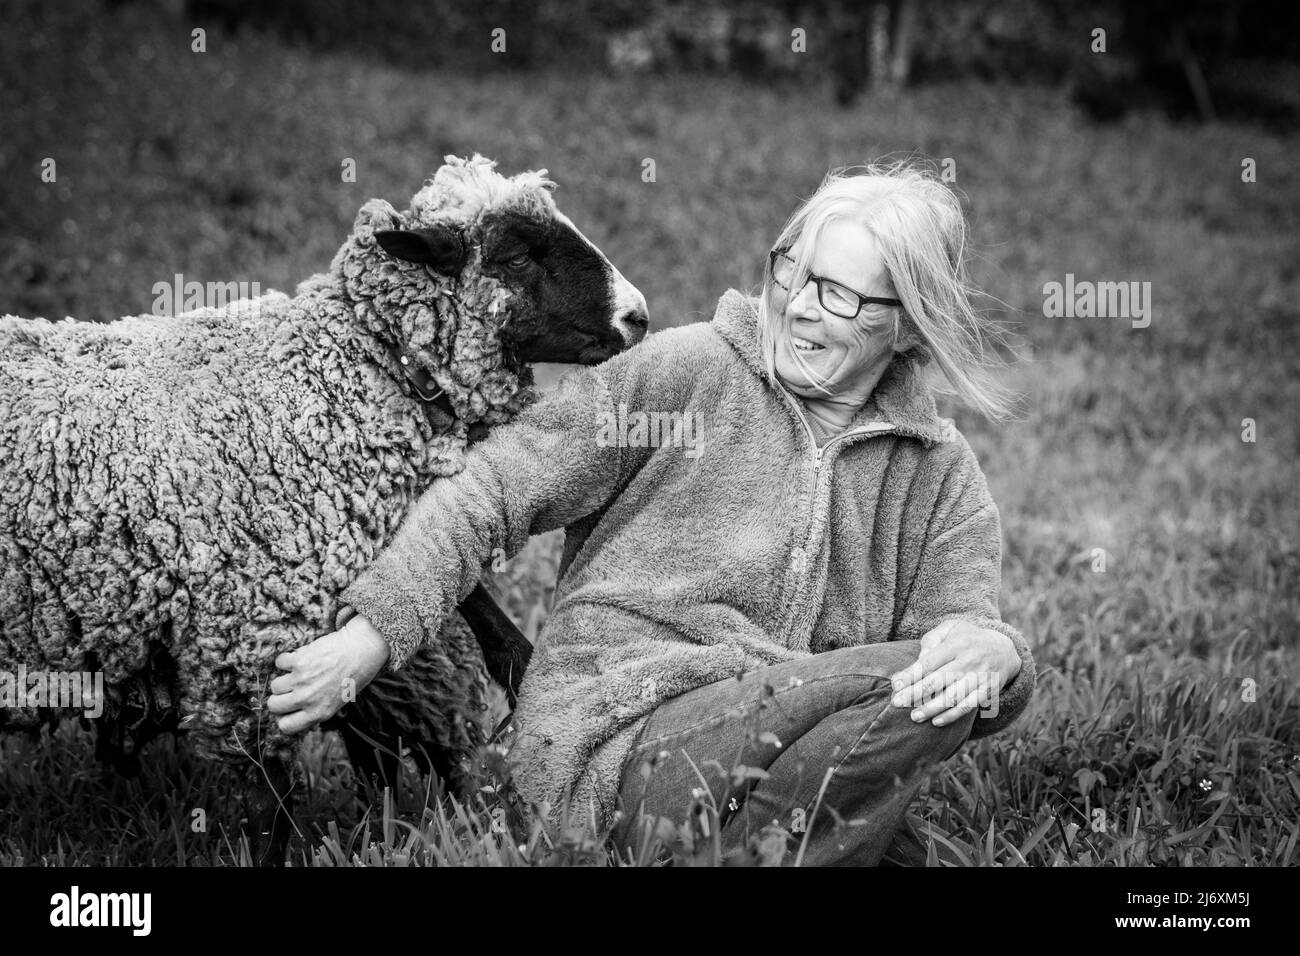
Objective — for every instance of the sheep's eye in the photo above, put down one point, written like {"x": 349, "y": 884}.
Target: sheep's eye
{"x": 519, "y": 261}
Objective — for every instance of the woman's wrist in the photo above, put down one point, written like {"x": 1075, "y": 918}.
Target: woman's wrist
{"x": 372, "y": 643}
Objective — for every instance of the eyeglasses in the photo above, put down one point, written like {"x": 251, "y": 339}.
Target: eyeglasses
{"x": 835, "y": 298}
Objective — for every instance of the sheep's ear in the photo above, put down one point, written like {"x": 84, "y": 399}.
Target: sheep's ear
{"x": 442, "y": 247}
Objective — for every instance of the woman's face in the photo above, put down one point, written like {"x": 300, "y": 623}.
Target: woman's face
{"x": 848, "y": 354}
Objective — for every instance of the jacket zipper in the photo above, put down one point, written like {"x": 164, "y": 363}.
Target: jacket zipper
{"x": 816, "y": 467}
{"x": 818, "y": 451}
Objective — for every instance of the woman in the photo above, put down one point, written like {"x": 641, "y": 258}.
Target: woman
{"x": 810, "y": 587}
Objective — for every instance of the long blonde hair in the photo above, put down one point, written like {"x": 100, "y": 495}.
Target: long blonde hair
{"x": 921, "y": 233}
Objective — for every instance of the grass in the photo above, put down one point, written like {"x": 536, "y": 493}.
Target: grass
{"x": 1168, "y": 682}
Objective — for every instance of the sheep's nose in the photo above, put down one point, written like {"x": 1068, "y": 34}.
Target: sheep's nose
{"x": 637, "y": 317}
{"x": 631, "y": 317}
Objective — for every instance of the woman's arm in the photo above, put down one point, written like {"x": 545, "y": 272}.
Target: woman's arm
{"x": 539, "y": 472}
{"x": 545, "y": 470}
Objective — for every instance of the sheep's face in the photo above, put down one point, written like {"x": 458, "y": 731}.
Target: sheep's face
{"x": 571, "y": 303}
{"x": 567, "y": 304}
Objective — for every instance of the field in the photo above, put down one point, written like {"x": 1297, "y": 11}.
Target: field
{"x": 1150, "y": 550}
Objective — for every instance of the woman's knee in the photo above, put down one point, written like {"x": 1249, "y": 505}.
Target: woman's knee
{"x": 882, "y": 660}
{"x": 921, "y": 738}
{"x": 880, "y": 715}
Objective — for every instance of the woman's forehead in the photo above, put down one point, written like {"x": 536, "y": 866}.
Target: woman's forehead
{"x": 848, "y": 253}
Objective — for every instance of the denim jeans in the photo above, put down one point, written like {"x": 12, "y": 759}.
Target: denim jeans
{"x": 843, "y": 746}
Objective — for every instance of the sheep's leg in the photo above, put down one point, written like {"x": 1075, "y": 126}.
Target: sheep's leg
{"x": 270, "y": 810}
{"x": 506, "y": 651}
{"x": 372, "y": 743}
{"x": 374, "y": 760}
{"x": 432, "y": 706}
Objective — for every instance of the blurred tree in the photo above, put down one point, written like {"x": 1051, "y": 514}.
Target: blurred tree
{"x": 1181, "y": 56}
{"x": 871, "y": 43}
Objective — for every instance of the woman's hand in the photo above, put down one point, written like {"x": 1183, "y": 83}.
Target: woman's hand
{"x": 326, "y": 674}
{"x": 960, "y": 669}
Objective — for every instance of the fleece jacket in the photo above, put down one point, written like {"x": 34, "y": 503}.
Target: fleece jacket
{"x": 697, "y": 550}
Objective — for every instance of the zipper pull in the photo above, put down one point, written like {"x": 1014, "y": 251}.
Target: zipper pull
{"x": 817, "y": 460}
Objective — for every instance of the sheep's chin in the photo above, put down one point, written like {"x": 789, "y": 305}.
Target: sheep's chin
{"x": 595, "y": 354}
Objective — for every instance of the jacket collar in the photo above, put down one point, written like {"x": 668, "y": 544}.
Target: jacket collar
{"x": 901, "y": 398}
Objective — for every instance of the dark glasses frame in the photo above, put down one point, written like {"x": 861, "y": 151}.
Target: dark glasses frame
{"x": 862, "y": 299}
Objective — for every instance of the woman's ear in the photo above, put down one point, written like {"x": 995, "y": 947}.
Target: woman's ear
{"x": 909, "y": 340}
{"x": 906, "y": 338}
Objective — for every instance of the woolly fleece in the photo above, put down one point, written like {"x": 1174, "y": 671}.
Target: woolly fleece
{"x": 208, "y": 483}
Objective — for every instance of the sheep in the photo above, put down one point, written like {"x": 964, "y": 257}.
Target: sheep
{"x": 184, "y": 498}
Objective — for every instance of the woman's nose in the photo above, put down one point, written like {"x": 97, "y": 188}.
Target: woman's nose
{"x": 805, "y": 301}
